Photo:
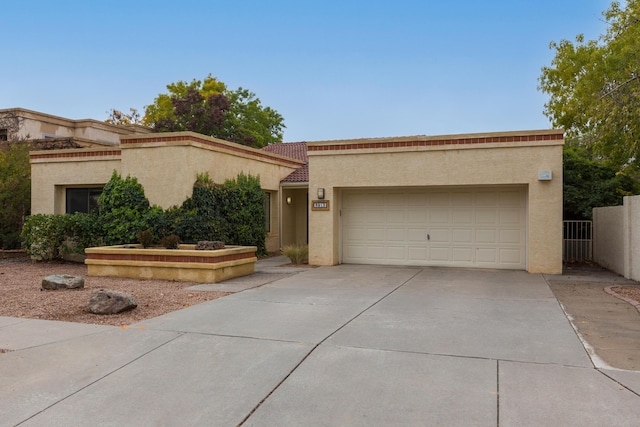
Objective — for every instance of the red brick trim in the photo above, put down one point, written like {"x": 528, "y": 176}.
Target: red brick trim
{"x": 234, "y": 147}
{"x": 436, "y": 142}
{"x": 171, "y": 258}
{"x": 60, "y": 154}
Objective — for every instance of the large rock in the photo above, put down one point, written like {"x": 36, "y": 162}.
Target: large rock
{"x": 106, "y": 301}
{"x": 209, "y": 245}
{"x": 62, "y": 281}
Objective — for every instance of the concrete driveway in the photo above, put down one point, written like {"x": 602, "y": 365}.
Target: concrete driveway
{"x": 346, "y": 345}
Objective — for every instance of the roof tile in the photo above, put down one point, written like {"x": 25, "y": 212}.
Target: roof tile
{"x": 295, "y": 150}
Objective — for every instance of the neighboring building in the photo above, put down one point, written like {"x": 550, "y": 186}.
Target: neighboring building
{"x": 481, "y": 200}
{"x": 19, "y": 123}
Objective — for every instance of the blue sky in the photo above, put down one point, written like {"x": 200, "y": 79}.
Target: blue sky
{"x": 333, "y": 69}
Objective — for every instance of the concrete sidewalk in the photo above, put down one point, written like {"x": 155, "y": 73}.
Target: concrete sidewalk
{"x": 345, "y": 345}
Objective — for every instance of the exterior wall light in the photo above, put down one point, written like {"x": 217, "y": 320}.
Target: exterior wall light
{"x": 289, "y": 200}
{"x": 320, "y": 193}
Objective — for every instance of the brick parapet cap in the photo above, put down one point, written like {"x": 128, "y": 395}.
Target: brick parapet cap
{"x": 196, "y": 139}
{"x": 487, "y": 140}
{"x": 75, "y": 154}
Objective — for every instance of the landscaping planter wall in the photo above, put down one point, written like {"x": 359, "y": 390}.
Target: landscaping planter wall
{"x": 185, "y": 264}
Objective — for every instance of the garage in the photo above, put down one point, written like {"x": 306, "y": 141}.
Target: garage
{"x": 481, "y": 227}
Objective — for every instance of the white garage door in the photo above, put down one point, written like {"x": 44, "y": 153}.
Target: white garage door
{"x": 469, "y": 227}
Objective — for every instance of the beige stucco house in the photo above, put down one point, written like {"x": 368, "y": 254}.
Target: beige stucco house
{"x": 478, "y": 200}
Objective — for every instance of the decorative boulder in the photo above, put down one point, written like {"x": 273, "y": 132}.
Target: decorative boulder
{"x": 106, "y": 301}
{"x": 62, "y": 281}
{"x": 208, "y": 245}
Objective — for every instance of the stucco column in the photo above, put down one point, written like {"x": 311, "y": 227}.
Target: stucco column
{"x": 545, "y": 226}
{"x": 324, "y": 229}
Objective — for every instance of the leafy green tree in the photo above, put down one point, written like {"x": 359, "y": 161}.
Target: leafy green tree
{"x": 210, "y": 108}
{"x": 590, "y": 182}
{"x": 15, "y": 191}
{"x": 594, "y": 87}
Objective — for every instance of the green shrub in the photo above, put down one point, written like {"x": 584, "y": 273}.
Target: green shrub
{"x": 47, "y": 237}
{"x": 243, "y": 208}
{"x": 82, "y": 231}
{"x": 232, "y": 212}
{"x": 123, "y": 208}
{"x": 298, "y": 254}
{"x": 43, "y": 236}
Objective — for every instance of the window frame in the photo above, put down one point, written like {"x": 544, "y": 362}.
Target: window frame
{"x": 90, "y": 194}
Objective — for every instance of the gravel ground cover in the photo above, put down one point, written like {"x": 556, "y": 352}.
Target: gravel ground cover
{"x": 21, "y": 294}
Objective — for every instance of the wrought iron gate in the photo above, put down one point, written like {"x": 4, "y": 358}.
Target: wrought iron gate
{"x": 577, "y": 241}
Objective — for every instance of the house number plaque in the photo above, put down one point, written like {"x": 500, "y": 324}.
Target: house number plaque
{"x": 320, "y": 205}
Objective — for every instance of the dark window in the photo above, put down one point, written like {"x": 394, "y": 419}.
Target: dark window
{"x": 4, "y": 135}
{"x": 267, "y": 211}
{"x": 82, "y": 200}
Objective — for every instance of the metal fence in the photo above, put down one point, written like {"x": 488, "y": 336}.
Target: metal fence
{"x": 577, "y": 241}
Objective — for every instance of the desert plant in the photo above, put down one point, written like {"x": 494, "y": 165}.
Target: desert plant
{"x": 171, "y": 241}
{"x": 298, "y": 254}
{"x": 145, "y": 238}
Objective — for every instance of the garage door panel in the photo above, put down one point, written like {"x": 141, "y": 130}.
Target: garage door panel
{"x": 488, "y": 216}
{"x": 439, "y": 199}
{"x": 462, "y": 198}
{"x": 510, "y": 216}
{"x": 439, "y": 215}
{"x": 511, "y": 236}
{"x": 439, "y": 254}
{"x": 417, "y": 199}
{"x": 415, "y": 253}
{"x": 486, "y": 236}
{"x": 487, "y": 255}
{"x": 416, "y": 235}
{"x": 376, "y": 234}
{"x": 439, "y": 235}
{"x": 396, "y": 253}
{"x": 355, "y": 252}
{"x": 352, "y": 234}
{"x": 396, "y": 216}
{"x": 377, "y": 200}
{"x": 456, "y": 227}
{"x": 462, "y": 235}
{"x": 486, "y": 198}
{"x": 463, "y": 215}
{"x": 417, "y": 216}
{"x": 376, "y": 253}
{"x": 396, "y": 235}
{"x": 510, "y": 198}
{"x": 462, "y": 255}
{"x": 511, "y": 256}
{"x": 375, "y": 216}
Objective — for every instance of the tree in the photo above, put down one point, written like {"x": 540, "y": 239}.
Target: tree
{"x": 590, "y": 182}
{"x": 117, "y": 117}
{"x": 15, "y": 191}
{"x": 594, "y": 87}
{"x": 210, "y": 108}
